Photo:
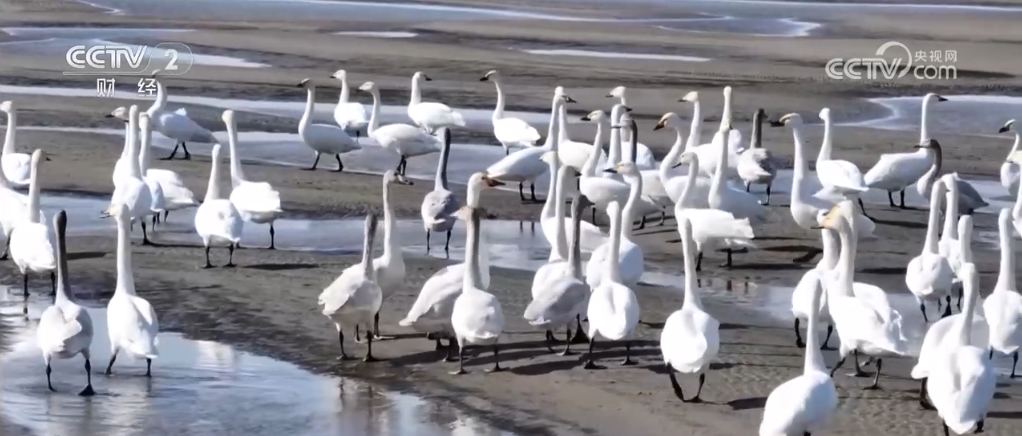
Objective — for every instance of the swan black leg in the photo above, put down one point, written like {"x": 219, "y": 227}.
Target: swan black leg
{"x": 991, "y": 354}
{"x": 208, "y": 265}
{"x": 591, "y": 362}
{"x": 890, "y": 198}
{"x": 699, "y": 261}
{"x": 166, "y": 213}
{"x": 7, "y": 247}
{"x": 145, "y": 236}
{"x": 427, "y": 241}
{"x": 858, "y": 368}
{"x": 273, "y": 237}
{"x": 532, "y": 193}
{"x": 961, "y": 291}
{"x": 24, "y": 283}
{"x": 461, "y": 361}
{"x": 314, "y": 163}
{"x": 830, "y": 330}
{"x": 184, "y": 146}
{"x": 902, "y": 199}
{"x": 172, "y": 153}
{"x": 369, "y": 353}
{"x": 156, "y": 219}
{"x": 876, "y": 377}
{"x": 947, "y": 431}
{"x": 110, "y": 366}
{"x": 862, "y": 206}
{"x": 376, "y": 329}
{"x": 674, "y": 383}
{"x": 149, "y": 368}
{"x": 496, "y": 360}
{"x": 230, "y": 258}
{"x": 768, "y": 194}
{"x": 1014, "y": 363}
{"x": 567, "y": 342}
{"x": 439, "y": 345}
{"x": 447, "y": 245}
{"x": 663, "y": 218}
{"x": 628, "y": 355}
{"x": 53, "y": 285}
{"x": 358, "y": 336}
{"x": 798, "y": 334}
{"x": 594, "y": 215}
{"x": 340, "y": 165}
{"x": 521, "y": 191}
{"x": 580, "y": 334}
{"x": 923, "y": 401}
{"x": 922, "y": 308}
{"x": 697, "y": 399}
{"x": 748, "y": 187}
{"x": 728, "y": 263}
{"x": 48, "y": 372}
{"x": 88, "y": 391}
{"x": 837, "y": 366}
{"x": 450, "y": 350}
{"x": 340, "y": 340}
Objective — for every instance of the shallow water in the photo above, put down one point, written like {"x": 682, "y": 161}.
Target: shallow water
{"x": 980, "y": 115}
{"x": 617, "y": 55}
{"x": 198, "y": 388}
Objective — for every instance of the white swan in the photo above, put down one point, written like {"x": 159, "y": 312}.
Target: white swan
{"x": 929, "y": 275}
{"x": 404, "y": 140}
{"x": 711, "y": 228}
{"x": 864, "y": 318}
{"x": 322, "y": 138}
{"x": 949, "y": 246}
{"x": 440, "y": 203}
{"x": 131, "y": 190}
{"x": 430, "y": 116}
{"x": 477, "y": 318}
{"x": 390, "y": 266}
{"x": 354, "y": 299}
{"x": 802, "y": 297}
{"x": 757, "y": 165}
{"x": 642, "y": 156}
{"x": 969, "y": 198}
{"x": 176, "y": 125}
{"x": 630, "y": 257}
{"x": 670, "y": 180}
{"x": 613, "y": 310}
{"x": 123, "y": 166}
{"x": 560, "y": 300}
{"x": 962, "y": 381}
{"x": 16, "y": 166}
{"x": 808, "y": 200}
{"x": 65, "y": 328}
{"x": 739, "y": 203}
{"x": 691, "y": 337}
{"x": 131, "y": 320}
{"x": 896, "y": 171}
{"x": 805, "y": 404}
{"x": 592, "y": 236}
{"x": 159, "y": 199}
{"x": 556, "y": 267}
{"x": 175, "y": 194}
{"x": 217, "y": 220}
{"x": 708, "y": 152}
{"x": 572, "y": 153}
{"x": 13, "y": 212}
{"x": 840, "y": 176}
{"x": 257, "y": 202}
{"x": 645, "y": 204}
{"x": 525, "y": 165}
{"x": 31, "y": 243}
{"x": 349, "y": 114}
{"x": 510, "y": 132}
{"x": 593, "y": 183}
{"x": 431, "y": 312}
{"x": 1003, "y": 307}
{"x": 1010, "y": 173}
{"x": 942, "y": 335}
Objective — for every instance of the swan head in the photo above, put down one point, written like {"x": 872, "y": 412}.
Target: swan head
{"x": 618, "y": 92}
{"x": 155, "y": 72}
{"x": 392, "y": 176}
{"x": 669, "y": 119}
{"x": 825, "y": 114}
{"x": 119, "y": 113}
{"x": 418, "y": 77}
{"x": 686, "y": 158}
{"x": 727, "y": 91}
{"x": 625, "y": 121}
{"x": 624, "y": 169}
{"x": 483, "y": 181}
{"x": 493, "y": 75}
{"x": 833, "y": 219}
{"x": 7, "y": 106}
{"x": 339, "y": 75}
{"x": 368, "y": 87}
{"x": 143, "y": 121}
{"x": 38, "y": 156}
{"x": 933, "y": 95}
{"x": 691, "y": 97}
{"x": 228, "y": 117}
{"x": 792, "y": 119}
{"x": 559, "y": 94}
{"x": 305, "y": 83}
{"x": 1015, "y": 157}
{"x": 725, "y": 125}
{"x": 1007, "y": 126}
{"x": 595, "y": 116}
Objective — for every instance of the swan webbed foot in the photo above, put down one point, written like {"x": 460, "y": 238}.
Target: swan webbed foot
{"x": 314, "y": 163}
{"x": 591, "y": 364}
{"x": 694, "y": 400}
{"x": 580, "y": 337}
{"x": 460, "y": 371}
{"x": 188, "y": 156}
{"x": 149, "y": 368}
{"x": 674, "y": 383}
{"x": 344, "y": 357}
{"x": 49, "y": 371}
{"x": 340, "y": 166}
{"x": 87, "y": 392}
{"x": 629, "y": 362}
{"x": 230, "y": 265}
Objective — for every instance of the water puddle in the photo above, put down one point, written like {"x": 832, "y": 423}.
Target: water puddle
{"x": 198, "y": 388}
{"x": 379, "y": 34}
{"x": 980, "y": 115}
{"x": 752, "y": 26}
{"x": 617, "y": 55}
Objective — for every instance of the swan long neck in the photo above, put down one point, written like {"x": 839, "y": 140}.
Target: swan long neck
{"x": 725, "y": 115}
{"x": 237, "y": 174}
{"x": 145, "y": 156}
{"x": 688, "y": 250}
{"x": 310, "y": 102}
{"x": 846, "y": 261}
{"x": 133, "y": 168}
{"x": 614, "y": 154}
{"x": 126, "y": 150}
{"x": 498, "y": 112}
{"x": 1014, "y": 147}
{"x": 440, "y": 182}
{"x": 368, "y": 270}
{"x": 757, "y": 131}
{"x": 562, "y": 130}
{"x": 965, "y": 240}
{"x": 345, "y": 91}
{"x": 553, "y": 127}
{"x": 391, "y": 245}
{"x": 472, "y": 280}
{"x": 63, "y": 283}
{"x": 561, "y": 237}
{"x": 825, "y": 149}
{"x": 1006, "y": 275}
{"x": 33, "y": 193}
{"x": 125, "y": 275}
{"x": 589, "y": 169}
{"x": 951, "y": 210}
{"x": 12, "y": 128}
{"x": 830, "y": 250}
{"x": 695, "y": 127}
{"x": 613, "y": 269}
{"x": 672, "y": 156}
{"x": 717, "y": 183}
{"x": 690, "y": 182}
{"x": 213, "y": 188}
{"x": 374, "y": 116}
{"x": 814, "y": 359}
{"x": 416, "y": 97}
{"x": 800, "y": 159}
{"x": 575, "y": 253}
{"x": 634, "y": 192}
{"x": 932, "y": 223}
{"x": 161, "y": 99}
{"x": 554, "y": 143}
{"x": 934, "y": 171}
{"x": 969, "y": 309}
{"x": 924, "y": 129}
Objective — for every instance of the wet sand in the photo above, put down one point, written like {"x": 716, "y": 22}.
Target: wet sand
{"x": 267, "y": 305}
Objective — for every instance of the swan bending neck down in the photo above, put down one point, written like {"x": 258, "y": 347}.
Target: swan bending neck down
{"x": 961, "y": 385}
{"x": 354, "y": 298}
{"x": 805, "y": 404}
{"x": 477, "y": 317}
{"x": 65, "y": 328}
{"x": 691, "y": 337}
{"x": 131, "y": 320}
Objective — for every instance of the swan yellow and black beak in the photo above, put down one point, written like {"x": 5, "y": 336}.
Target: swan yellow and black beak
{"x": 940, "y": 98}
{"x": 303, "y": 83}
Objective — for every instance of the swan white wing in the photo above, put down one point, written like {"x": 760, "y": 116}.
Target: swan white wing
{"x": 148, "y": 327}
{"x": 575, "y": 154}
{"x": 256, "y": 198}
{"x": 895, "y": 171}
{"x": 59, "y": 333}
{"x": 557, "y": 303}
{"x": 742, "y": 205}
{"x": 1010, "y": 177}
{"x": 801, "y": 298}
{"x": 159, "y": 202}
{"x": 859, "y": 322}
{"x": 968, "y": 196}
{"x": 652, "y": 186}
{"x": 406, "y": 140}
{"x": 351, "y": 115}
{"x": 840, "y": 175}
{"x": 1003, "y": 311}
{"x": 928, "y": 275}
{"x": 219, "y": 219}
{"x": 602, "y": 191}
{"x": 804, "y": 404}
{"x": 17, "y": 167}
{"x": 690, "y": 340}
{"x": 177, "y": 125}
{"x": 14, "y": 210}
{"x": 514, "y": 131}
{"x": 175, "y": 193}
{"x": 521, "y": 166}
{"x": 434, "y": 115}
{"x": 435, "y": 303}
{"x": 756, "y": 165}
{"x": 325, "y": 138}
{"x": 937, "y": 341}
{"x": 133, "y": 326}
{"x": 336, "y": 295}
{"x": 31, "y": 248}
{"x": 437, "y": 207}
{"x": 551, "y": 272}
{"x": 961, "y": 387}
